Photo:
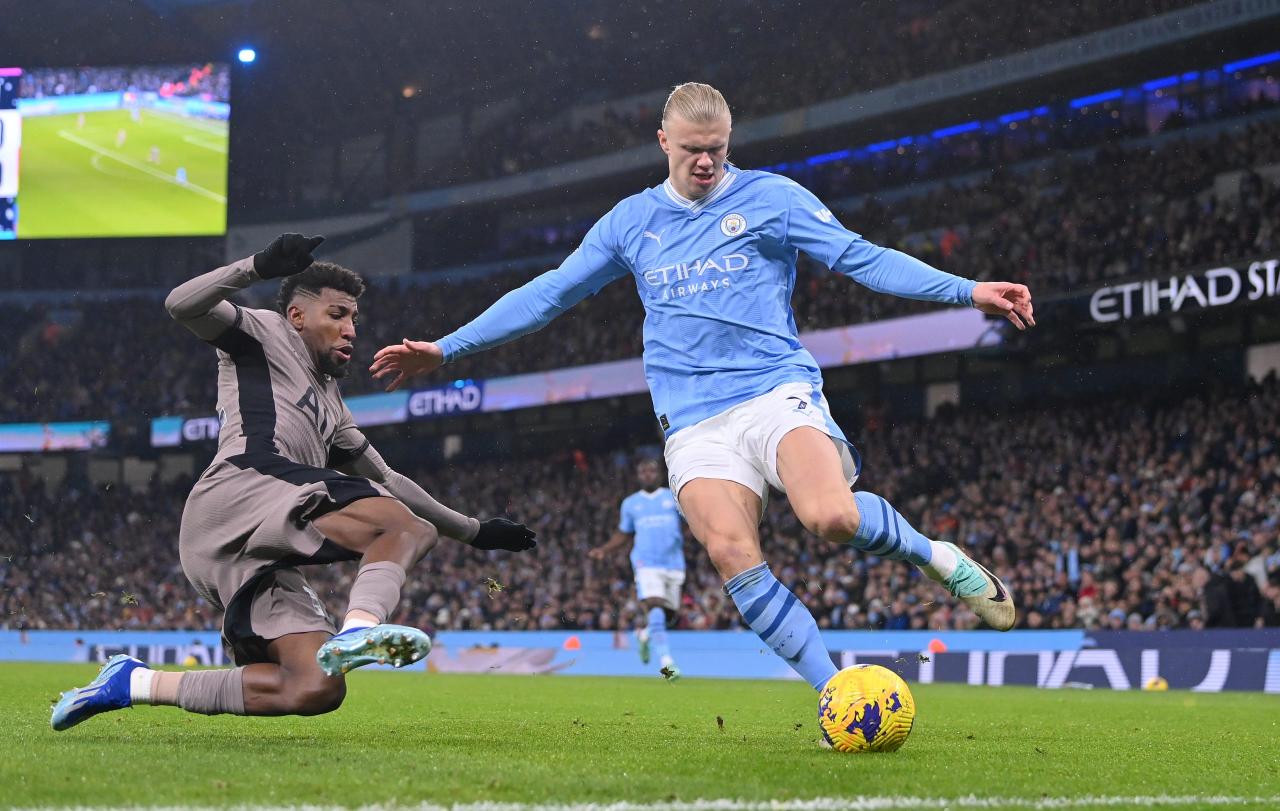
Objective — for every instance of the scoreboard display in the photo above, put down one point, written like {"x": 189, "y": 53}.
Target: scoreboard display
{"x": 10, "y": 141}
{"x": 135, "y": 151}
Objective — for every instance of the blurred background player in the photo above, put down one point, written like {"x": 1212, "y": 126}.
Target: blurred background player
{"x": 651, "y": 522}
{"x": 273, "y": 499}
{"x": 713, "y": 253}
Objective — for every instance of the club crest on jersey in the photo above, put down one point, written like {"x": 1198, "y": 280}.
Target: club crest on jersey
{"x": 733, "y": 224}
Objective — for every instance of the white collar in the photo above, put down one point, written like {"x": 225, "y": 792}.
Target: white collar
{"x": 698, "y": 205}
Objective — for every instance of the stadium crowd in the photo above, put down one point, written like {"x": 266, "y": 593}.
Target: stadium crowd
{"x": 212, "y": 83}
{"x": 918, "y": 39}
{"x": 1119, "y": 513}
{"x": 1060, "y": 225}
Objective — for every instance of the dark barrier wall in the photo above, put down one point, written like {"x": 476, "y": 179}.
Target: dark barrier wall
{"x": 1207, "y": 661}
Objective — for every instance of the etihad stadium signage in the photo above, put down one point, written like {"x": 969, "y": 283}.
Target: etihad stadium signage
{"x": 1216, "y": 287}
{"x": 459, "y": 397}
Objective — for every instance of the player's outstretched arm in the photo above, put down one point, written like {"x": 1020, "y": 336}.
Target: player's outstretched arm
{"x": 1013, "y": 301}
{"x": 617, "y": 539}
{"x": 524, "y": 310}
{"x": 200, "y": 304}
{"x": 405, "y": 360}
{"x": 812, "y": 228}
{"x": 494, "y": 533}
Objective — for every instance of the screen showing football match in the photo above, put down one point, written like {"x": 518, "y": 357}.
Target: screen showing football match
{"x": 114, "y": 151}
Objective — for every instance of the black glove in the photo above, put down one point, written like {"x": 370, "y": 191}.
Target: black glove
{"x": 499, "y": 533}
{"x": 286, "y": 255}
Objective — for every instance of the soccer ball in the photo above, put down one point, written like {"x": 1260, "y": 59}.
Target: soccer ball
{"x": 1156, "y": 684}
{"x": 866, "y": 708}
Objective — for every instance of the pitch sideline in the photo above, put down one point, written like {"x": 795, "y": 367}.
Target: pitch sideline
{"x": 816, "y": 804}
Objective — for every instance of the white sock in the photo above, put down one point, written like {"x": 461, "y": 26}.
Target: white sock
{"x": 140, "y": 685}
{"x": 943, "y": 563}
{"x": 350, "y": 623}
{"x": 667, "y": 661}
{"x": 643, "y": 634}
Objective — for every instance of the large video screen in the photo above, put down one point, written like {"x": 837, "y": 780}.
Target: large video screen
{"x": 114, "y": 152}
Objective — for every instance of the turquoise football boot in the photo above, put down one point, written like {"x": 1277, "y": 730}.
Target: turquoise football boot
{"x": 395, "y": 645}
{"x": 983, "y": 592}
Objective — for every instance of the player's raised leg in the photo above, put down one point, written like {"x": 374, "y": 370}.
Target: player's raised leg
{"x": 391, "y": 540}
{"x": 810, "y": 469}
{"x": 723, "y": 516}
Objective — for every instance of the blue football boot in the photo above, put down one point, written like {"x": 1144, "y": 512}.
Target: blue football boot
{"x": 109, "y": 690}
{"x": 395, "y": 645}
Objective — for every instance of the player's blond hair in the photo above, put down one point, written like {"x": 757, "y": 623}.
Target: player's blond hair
{"x": 696, "y": 103}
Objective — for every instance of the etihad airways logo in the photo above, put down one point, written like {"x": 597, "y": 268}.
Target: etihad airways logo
{"x": 684, "y": 279}
{"x": 684, "y": 271}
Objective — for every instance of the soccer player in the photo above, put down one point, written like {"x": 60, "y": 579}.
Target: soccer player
{"x": 651, "y": 523}
{"x": 712, "y": 252}
{"x": 273, "y": 499}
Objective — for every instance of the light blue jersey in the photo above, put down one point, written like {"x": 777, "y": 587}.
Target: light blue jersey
{"x": 716, "y": 277}
{"x": 655, "y": 521}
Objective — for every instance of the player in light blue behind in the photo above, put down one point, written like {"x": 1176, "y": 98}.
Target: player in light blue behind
{"x": 651, "y": 523}
{"x": 712, "y": 252}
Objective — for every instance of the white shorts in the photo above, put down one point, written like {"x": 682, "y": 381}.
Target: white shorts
{"x": 660, "y": 584}
{"x": 741, "y": 444}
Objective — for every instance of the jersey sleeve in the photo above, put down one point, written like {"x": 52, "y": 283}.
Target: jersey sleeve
{"x": 251, "y": 332}
{"x": 627, "y": 521}
{"x": 527, "y": 309}
{"x": 349, "y": 442}
{"x": 812, "y": 228}
{"x": 200, "y": 304}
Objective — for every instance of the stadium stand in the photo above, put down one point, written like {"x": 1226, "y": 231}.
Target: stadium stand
{"x": 925, "y": 38}
{"x": 1060, "y": 224}
{"x": 1119, "y": 513}
{"x": 1145, "y": 513}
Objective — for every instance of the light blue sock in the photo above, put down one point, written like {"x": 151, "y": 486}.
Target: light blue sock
{"x": 658, "y": 634}
{"x": 782, "y": 622}
{"x": 885, "y": 533}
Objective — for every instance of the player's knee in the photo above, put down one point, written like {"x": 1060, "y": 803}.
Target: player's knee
{"x": 424, "y": 537}
{"x": 317, "y": 695}
{"x": 833, "y": 522}
{"x": 417, "y": 538}
{"x": 731, "y": 552}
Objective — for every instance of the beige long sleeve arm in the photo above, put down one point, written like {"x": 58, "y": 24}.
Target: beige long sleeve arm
{"x": 201, "y": 305}
{"x": 370, "y": 465}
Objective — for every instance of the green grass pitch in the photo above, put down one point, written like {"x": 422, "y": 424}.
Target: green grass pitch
{"x": 414, "y": 738}
{"x": 75, "y": 181}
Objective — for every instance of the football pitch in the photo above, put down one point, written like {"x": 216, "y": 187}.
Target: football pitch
{"x": 80, "y": 181}
{"x": 514, "y": 742}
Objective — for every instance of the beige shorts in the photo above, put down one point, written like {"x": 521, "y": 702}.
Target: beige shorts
{"x": 245, "y": 528}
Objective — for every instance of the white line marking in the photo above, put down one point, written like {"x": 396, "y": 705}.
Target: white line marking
{"x": 817, "y": 804}
{"x": 96, "y": 163}
{"x": 142, "y": 167}
{"x": 211, "y": 126}
{"x": 214, "y": 146}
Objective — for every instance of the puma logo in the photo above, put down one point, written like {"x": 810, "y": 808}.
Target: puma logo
{"x": 655, "y": 237}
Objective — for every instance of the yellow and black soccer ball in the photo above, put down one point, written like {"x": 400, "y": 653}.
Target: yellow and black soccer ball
{"x": 866, "y": 708}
